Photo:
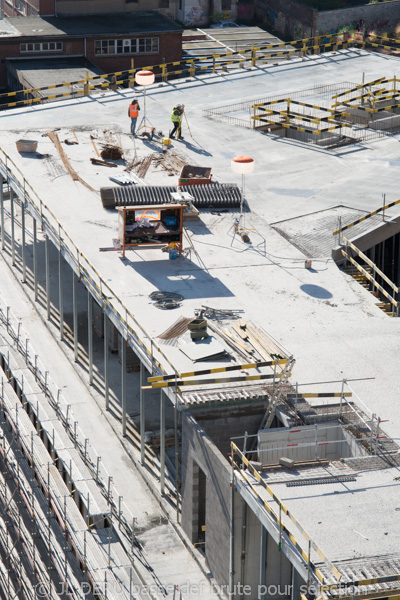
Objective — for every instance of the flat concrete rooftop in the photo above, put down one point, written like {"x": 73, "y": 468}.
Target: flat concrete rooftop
{"x": 328, "y": 322}
{"x": 105, "y": 23}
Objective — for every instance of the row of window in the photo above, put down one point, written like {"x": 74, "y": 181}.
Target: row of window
{"x": 129, "y": 46}
{"x": 42, "y": 47}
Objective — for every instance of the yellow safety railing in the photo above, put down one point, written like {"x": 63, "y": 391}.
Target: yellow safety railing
{"x": 165, "y": 70}
{"x": 368, "y": 216}
{"x": 286, "y": 511}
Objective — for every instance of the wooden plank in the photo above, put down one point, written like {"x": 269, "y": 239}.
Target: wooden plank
{"x": 94, "y": 146}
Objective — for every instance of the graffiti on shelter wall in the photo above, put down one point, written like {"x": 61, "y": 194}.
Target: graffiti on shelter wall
{"x": 270, "y": 17}
{"x": 224, "y": 15}
{"x": 350, "y": 31}
{"x": 354, "y": 30}
{"x": 245, "y": 11}
{"x": 298, "y": 32}
{"x": 195, "y": 16}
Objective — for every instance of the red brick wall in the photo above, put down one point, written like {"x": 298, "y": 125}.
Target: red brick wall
{"x": 170, "y": 50}
{"x": 47, "y": 7}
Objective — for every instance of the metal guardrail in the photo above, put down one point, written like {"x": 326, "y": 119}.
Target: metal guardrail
{"x": 140, "y": 341}
{"x": 361, "y": 219}
{"x": 370, "y": 278}
{"x": 278, "y": 520}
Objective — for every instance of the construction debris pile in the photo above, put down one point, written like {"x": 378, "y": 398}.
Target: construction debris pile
{"x": 169, "y": 160}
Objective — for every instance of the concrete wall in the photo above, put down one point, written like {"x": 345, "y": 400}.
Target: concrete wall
{"x": 196, "y": 13}
{"x": 295, "y": 20}
{"x": 198, "y": 451}
{"x": 274, "y": 576}
{"x": 377, "y": 18}
{"x": 303, "y": 443}
{"x": 288, "y": 17}
{"x": 222, "y": 424}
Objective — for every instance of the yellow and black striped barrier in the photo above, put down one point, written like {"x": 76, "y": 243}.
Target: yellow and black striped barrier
{"x": 285, "y": 510}
{"x": 319, "y": 395}
{"x": 182, "y": 382}
{"x": 187, "y": 64}
{"x": 372, "y": 581}
{"x": 359, "y": 87}
{"x": 296, "y": 127}
{"x": 284, "y": 529}
{"x": 383, "y": 94}
{"x": 361, "y": 219}
{"x": 254, "y": 365}
{"x": 371, "y": 279}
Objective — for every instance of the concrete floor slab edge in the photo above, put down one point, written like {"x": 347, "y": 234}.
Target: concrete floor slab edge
{"x": 150, "y": 484}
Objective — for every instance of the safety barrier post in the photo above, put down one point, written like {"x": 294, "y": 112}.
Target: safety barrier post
{"x": 164, "y": 75}
{"x": 86, "y": 86}
{"x": 253, "y": 56}
{"x": 192, "y": 69}
{"x": 132, "y": 75}
{"x": 113, "y": 85}
{"x": 317, "y": 42}
{"x": 213, "y": 62}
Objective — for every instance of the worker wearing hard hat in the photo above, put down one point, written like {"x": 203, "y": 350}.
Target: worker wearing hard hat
{"x": 176, "y": 119}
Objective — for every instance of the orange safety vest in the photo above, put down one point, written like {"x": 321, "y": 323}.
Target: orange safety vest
{"x": 133, "y": 111}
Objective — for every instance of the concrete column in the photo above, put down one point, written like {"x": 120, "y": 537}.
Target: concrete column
{"x": 142, "y": 412}
{"x": 295, "y": 584}
{"x": 35, "y": 260}
{"x": 60, "y": 294}
{"x": 2, "y": 210}
{"x": 47, "y": 258}
{"x": 75, "y": 314}
{"x": 90, "y": 337}
{"x": 123, "y": 385}
{"x": 263, "y": 560}
{"x": 106, "y": 363}
{"x": 23, "y": 214}
{"x": 12, "y": 227}
{"x": 162, "y": 442}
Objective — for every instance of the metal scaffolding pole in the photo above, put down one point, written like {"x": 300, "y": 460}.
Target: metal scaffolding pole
{"x": 35, "y": 260}
{"x": 162, "y": 442}
{"x": 12, "y": 226}
{"x": 2, "y": 210}
{"x": 106, "y": 363}
{"x": 60, "y": 294}
{"x": 142, "y": 412}
{"x": 123, "y": 385}
{"x": 90, "y": 337}
{"x": 23, "y": 215}
{"x": 75, "y": 314}
{"x": 47, "y": 258}
{"x": 263, "y": 564}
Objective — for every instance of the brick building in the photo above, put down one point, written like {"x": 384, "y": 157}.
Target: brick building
{"x": 188, "y": 12}
{"x": 109, "y": 41}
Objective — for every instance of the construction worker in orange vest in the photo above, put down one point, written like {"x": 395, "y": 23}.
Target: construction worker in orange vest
{"x": 133, "y": 113}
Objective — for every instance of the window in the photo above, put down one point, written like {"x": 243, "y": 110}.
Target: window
{"x": 163, "y": 3}
{"x": 226, "y": 5}
{"x": 127, "y": 46}
{"x": 42, "y": 47}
